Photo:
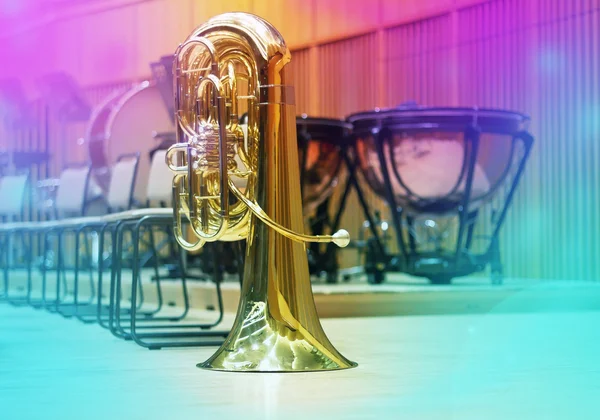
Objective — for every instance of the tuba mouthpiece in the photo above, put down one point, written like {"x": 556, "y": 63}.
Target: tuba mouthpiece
{"x": 341, "y": 238}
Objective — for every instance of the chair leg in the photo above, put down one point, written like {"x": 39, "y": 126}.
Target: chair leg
{"x": 29, "y": 262}
{"x": 43, "y": 248}
{"x": 70, "y": 309}
{"x": 62, "y": 285}
{"x": 112, "y": 283}
{"x": 115, "y": 299}
{"x": 89, "y": 259}
{"x": 211, "y": 338}
{"x": 77, "y": 306}
{"x": 27, "y": 250}
{"x": 45, "y": 303}
{"x": 104, "y": 313}
{"x": 4, "y": 254}
{"x": 93, "y": 307}
{"x": 8, "y": 251}
{"x": 87, "y": 312}
{"x": 116, "y": 311}
{"x": 59, "y": 268}
{"x": 159, "y": 295}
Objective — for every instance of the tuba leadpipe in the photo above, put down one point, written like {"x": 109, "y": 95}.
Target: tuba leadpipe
{"x": 231, "y": 186}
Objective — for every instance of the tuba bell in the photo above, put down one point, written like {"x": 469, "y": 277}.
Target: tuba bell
{"x": 229, "y": 185}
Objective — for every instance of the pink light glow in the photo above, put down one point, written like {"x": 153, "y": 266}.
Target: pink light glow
{"x": 12, "y": 8}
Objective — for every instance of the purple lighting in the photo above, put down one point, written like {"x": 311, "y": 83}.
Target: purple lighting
{"x": 549, "y": 61}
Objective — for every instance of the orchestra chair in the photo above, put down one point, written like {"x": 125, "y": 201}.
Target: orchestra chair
{"x": 159, "y": 191}
{"x": 76, "y": 192}
{"x": 72, "y": 199}
{"x": 118, "y": 198}
{"x": 149, "y": 329}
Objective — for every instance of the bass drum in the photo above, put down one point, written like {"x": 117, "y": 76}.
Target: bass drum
{"x": 127, "y": 122}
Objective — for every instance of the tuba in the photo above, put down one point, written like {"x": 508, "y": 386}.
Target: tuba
{"x": 229, "y": 185}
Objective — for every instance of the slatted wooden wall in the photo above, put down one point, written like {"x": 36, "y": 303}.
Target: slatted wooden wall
{"x": 494, "y": 60}
{"x": 301, "y": 72}
{"x": 421, "y": 48}
{"x": 348, "y": 76}
{"x": 538, "y": 57}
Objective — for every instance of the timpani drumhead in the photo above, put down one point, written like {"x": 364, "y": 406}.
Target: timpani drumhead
{"x": 427, "y": 157}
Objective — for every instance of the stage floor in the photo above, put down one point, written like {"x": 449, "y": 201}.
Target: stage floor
{"x": 475, "y": 366}
{"x": 399, "y": 295}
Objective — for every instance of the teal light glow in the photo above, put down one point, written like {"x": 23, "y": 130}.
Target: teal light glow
{"x": 590, "y": 119}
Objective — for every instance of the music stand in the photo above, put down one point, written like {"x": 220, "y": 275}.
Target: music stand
{"x": 64, "y": 102}
{"x": 13, "y": 102}
{"x": 63, "y": 96}
{"x": 15, "y": 112}
{"x": 162, "y": 73}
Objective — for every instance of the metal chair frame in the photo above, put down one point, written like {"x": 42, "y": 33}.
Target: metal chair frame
{"x": 130, "y": 331}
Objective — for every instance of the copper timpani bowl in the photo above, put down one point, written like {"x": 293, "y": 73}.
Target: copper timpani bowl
{"x": 427, "y": 154}
{"x": 320, "y": 141}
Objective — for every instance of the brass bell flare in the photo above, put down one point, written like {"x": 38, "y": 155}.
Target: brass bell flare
{"x": 278, "y": 329}
{"x": 260, "y": 343}
{"x": 232, "y": 60}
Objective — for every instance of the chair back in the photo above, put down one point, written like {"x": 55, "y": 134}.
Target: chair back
{"x": 160, "y": 181}
{"x": 72, "y": 194}
{"x": 12, "y": 194}
{"x": 122, "y": 182}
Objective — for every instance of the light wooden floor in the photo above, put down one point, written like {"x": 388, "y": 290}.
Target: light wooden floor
{"x": 484, "y": 366}
{"x": 399, "y": 295}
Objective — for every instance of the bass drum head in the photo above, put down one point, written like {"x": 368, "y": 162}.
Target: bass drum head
{"x": 96, "y": 138}
{"x": 139, "y": 114}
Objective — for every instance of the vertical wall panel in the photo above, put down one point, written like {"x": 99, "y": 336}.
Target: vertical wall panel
{"x": 570, "y": 103}
{"x": 66, "y": 48}
{"x": 541, "y": 58}
{"x": 160, "y": 29}
{"x": 301, "y": 80}
{"x": 110, "y": 46}
{"x": 347, "y": 76}
{"x": 203, "y": 10}
{"x": 394, "y": 11}
{"x": 418, "y": 62}
{"x": 336, "y": 18}
{"x": 293, "y": 18}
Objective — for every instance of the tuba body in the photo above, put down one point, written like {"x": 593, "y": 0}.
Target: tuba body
{"x": 229, "y": 186}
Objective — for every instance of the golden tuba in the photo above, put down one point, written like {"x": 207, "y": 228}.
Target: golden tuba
{"x": 232, "y": 186}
